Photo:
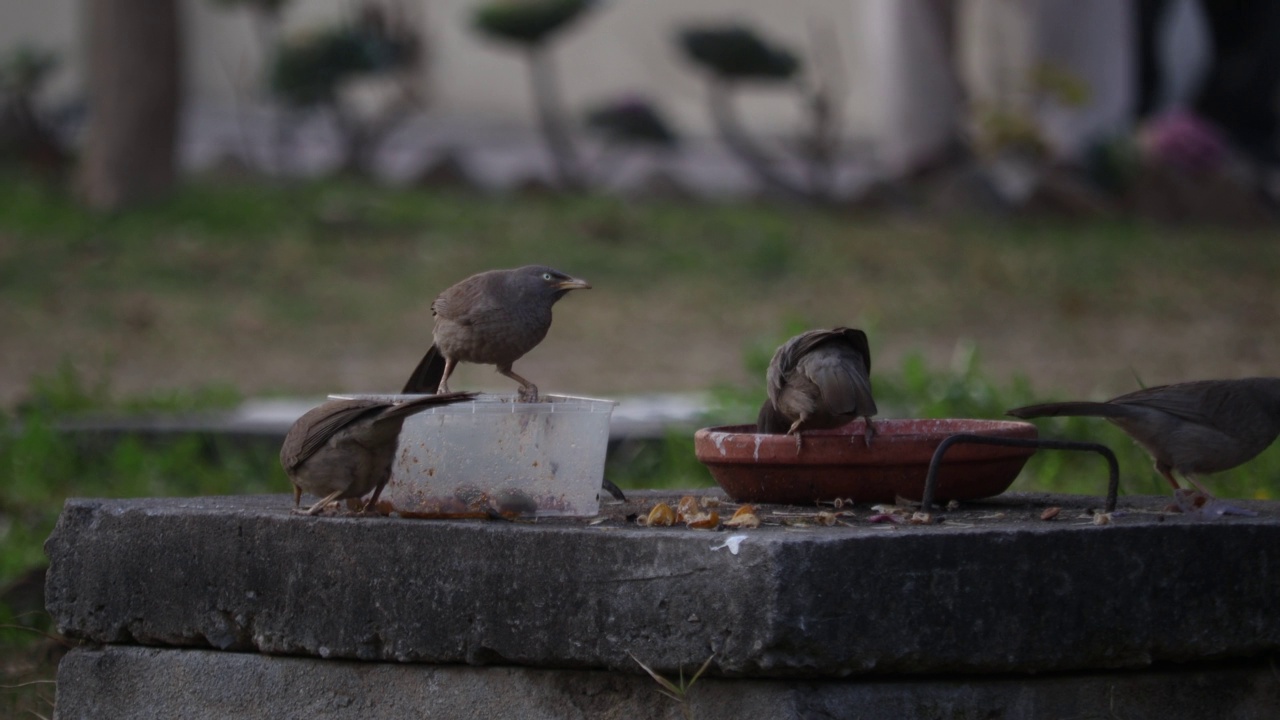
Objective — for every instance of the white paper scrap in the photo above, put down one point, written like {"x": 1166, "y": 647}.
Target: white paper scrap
{"x": 732, "y": 542}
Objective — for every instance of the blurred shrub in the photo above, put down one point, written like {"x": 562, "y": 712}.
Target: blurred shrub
{"x": 632, "y": 121}
{"x": 737, "y": 52}
{"x": 309, "y": 68}
{"x": 26, "y": 136}
{"x": 266, "y": 6}
{"x": 24, "y": 69}
{"x": 528, "y": 22}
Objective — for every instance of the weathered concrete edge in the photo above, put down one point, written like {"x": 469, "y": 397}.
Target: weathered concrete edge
{"x": 241, "y": 573}
{"x": 145, "y": 683}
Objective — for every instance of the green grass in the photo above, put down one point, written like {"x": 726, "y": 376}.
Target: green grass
{"x": 43, "y": 467}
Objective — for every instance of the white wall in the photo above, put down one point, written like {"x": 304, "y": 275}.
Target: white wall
{"x": 891, "y": 64}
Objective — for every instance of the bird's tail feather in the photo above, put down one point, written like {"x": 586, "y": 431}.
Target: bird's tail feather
{"x": 415, "y": 405}
{"x": 427, "y": 376}
{"x": 1070, "y": 409}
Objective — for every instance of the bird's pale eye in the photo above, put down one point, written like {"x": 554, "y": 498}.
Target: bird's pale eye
{"x": 546, "y": 276}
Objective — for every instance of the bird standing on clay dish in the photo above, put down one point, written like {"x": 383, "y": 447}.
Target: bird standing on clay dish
{"x": 1192, "y": 428}
{"x": 344, "y": 448}
{"x": 819, "y": 379}
{"x": 492, "y": 318}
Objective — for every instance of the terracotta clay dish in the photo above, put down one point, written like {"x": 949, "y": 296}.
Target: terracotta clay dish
{"x": 837, "y": 463}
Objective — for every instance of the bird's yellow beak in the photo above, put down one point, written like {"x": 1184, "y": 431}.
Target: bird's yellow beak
{"x": 572, "y": 284}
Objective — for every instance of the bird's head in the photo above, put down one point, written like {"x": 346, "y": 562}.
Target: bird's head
{"x": 550, "y": 281}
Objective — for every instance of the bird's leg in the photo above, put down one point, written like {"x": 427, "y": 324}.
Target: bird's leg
{"x": 1199, "y": 500}
{"x": 449, "y": 364}
{"x": 1192, "y": 479}
{"x": 315, "y": 509}
{"x": 1167, "y": 472}
{"x": 869, "y": 432}
{"x": 377, "y": 492}
{"x": 795, "y": 430}
{"x": 297, "y": 496}
{"x": 528, "y": 391}
{"x": 1182, "y": 499}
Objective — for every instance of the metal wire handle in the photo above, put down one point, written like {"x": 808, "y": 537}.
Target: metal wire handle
{"x": 931, "y": 480}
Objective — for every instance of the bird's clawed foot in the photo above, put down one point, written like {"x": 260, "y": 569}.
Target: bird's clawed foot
{"x": 869, "y": 432}
{"x": 1201, "y": 504}
{"x": 320, "y": 505}
{"x": 798, "y": 437}
{"x": 528, "y": 393}
{"x": 1186, "y": 500}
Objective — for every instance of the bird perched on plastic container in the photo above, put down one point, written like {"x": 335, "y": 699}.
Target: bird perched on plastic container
{"x": 345, "y": 448}
{"x": 492, "y": 318}
{"x": 819, "y": 379}
{"x": 1191, "y": 428}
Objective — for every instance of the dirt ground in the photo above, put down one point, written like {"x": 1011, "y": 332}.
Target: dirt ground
{"x": 603, "y": 344}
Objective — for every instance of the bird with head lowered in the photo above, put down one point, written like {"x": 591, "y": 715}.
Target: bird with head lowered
{"x": 819, "y": 379}
{"x": 343, "y": 449}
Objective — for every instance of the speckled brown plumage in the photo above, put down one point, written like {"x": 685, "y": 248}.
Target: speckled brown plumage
{"x": 492, "y": 318}
{"x": 345, "y": 448}
{"x": 819, "y": 379}
{"x": 1191, "y": 428}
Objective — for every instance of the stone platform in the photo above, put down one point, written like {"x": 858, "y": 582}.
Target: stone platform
{"x": 853, "y": 620}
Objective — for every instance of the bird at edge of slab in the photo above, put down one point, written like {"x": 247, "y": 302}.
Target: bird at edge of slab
{"x": 1191, "y": 428}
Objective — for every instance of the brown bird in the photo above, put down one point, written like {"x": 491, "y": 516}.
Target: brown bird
{"x": 492, "y": 318}
{"x": 1192, "y": 428}
{"x": 345, "y": 448}
{"x": 819, "y": 379}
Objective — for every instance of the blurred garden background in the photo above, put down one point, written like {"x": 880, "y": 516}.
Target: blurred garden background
{"x": 209, "y": 201}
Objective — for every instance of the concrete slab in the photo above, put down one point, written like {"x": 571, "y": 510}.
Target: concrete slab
{"x": 993, "y": 590}
{"x": 159, "y": 684}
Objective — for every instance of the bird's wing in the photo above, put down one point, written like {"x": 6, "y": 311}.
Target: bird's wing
{"x": 858, "y": 341}
{"x": 841, "y": 377}
{"x": 1204, "y": 402}
{"x": 469, "y": 299}
{"x": 785, "y": 358}
{"x": 854, "y": 339}
{"x": 317, "y": 425}
{"x": 790, "y": 353}
{"x": 775, "y": 375}
{"x": 804, "y": 343}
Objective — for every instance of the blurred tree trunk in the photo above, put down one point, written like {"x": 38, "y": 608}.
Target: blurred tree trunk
{"x": 134, "y": 99}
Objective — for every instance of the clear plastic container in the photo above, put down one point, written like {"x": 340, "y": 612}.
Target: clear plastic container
{"x": 493, "y": 455}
